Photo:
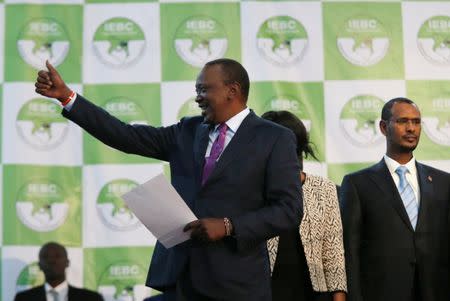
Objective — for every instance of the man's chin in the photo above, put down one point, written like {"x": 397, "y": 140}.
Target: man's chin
{"x": 408, "y": 148}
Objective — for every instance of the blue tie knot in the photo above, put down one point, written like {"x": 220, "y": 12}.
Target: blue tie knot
{"x": 401, "y": 171}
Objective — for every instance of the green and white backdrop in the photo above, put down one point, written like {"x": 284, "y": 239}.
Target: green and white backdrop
{"x": 332, "y": 63}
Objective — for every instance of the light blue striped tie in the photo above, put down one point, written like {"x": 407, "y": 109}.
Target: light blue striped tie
{"x": 54, "y": 294}
{"x": 407, "y": 195}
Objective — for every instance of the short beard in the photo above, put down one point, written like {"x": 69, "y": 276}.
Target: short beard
{"x": 406, "y": 149}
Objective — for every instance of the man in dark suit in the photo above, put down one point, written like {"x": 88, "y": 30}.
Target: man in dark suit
{"x": 396, "y": 219}
{"x": 53, "y": 262}
{"x": 237, "y": 172}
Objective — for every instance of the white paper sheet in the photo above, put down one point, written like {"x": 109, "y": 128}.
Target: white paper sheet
{"x": 161, "y": 209}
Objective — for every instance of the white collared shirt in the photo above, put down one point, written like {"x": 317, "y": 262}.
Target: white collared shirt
{"x": 62, "y": 289}
{"x": 411, "y": 175}
{"x": 233, "y": 124}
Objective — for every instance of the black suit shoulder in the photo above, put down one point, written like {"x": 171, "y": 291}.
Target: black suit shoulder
{"x": 435, "y": 171}
{"x": 75, "y": 294}
{"x": 82, "y": 294}
{"x": 30, "y": 294}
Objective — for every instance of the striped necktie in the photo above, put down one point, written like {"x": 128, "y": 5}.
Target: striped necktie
{"x": 407, "y": 195}
{"x": 54, "y": 294}
{"x": 216, "y": 150}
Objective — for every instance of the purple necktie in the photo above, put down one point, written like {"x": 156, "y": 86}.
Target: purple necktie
{"x": 216, "y": 150}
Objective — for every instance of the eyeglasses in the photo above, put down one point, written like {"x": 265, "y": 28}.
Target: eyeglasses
{"x": 406, "y": 121}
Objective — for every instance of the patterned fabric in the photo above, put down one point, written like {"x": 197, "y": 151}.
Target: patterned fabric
{"x": 407, "y": 195}
{"x": 321, "y": 235}
{"x": 216, "y": 150}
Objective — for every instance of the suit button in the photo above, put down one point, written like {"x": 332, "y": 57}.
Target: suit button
{"x": 412, "y": 262}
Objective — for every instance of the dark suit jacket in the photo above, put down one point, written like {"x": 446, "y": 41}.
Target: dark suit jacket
{"x": 75, "y": 294}
{"x": 383, "y": 252}
{"x": 255, "y": 183}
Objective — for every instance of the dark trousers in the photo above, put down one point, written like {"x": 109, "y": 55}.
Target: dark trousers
{"x": 184, "y": 290}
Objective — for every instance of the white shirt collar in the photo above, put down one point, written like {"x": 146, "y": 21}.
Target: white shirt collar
{"x": 392, "y": 165}
{"x": 235, "y": 122}
{"x": 59, "y": 288}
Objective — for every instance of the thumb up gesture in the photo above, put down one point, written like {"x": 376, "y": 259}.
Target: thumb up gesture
{"x": 50, "y": 84}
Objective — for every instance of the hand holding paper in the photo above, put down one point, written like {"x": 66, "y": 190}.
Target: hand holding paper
{"x": 161, "y": 209}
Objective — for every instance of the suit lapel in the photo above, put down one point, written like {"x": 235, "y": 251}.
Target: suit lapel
{"x": 70, "y": 294}
{"x": 200, "y": 145}
{"x": 426, "y": 193}
{"x": 42, "y": 295}
{"x": 383, "y": 179}
{"x": 243, "y": 136}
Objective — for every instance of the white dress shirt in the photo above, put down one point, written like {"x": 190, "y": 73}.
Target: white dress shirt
{"x": 411, "y": 175}
{"x": 62, "y": 289}
{"x": 233, "y": 124}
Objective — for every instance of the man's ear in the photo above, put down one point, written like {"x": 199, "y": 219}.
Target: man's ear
{"x": 234, "y": 90}
{"x": 383, "y": 127}
{"x": 40, "y": 265}
{"x": 67, "y": 263}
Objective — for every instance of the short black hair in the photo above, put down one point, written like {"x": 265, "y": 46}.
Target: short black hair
{"x": 234, "y": 72}
{"x": 292, "y": 122}
{"x": 386, "y": 112}
{"x": 52, "y": 244}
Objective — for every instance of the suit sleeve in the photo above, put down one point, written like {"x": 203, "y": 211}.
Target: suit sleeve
{"x": 352, "y": 223}
{"x": 99, "y": 297}
{"x": 333, "y": 245}
{"x": 141, "y": 140}
{"x": 283, "y": 195}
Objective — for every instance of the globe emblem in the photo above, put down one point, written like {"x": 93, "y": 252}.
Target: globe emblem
{"x": 112, "y": 210}
{"x": 200, "y": 39}
{"x": 433, "y": 40}
{"x": 292, "y": 104}
{"x": 359, "y": 120}
{"x": 189, "y": 108}
{"x": 122, "y": 281}
{"x": 41, "y": 205}
{"x": 40, "y": 124}
{"x": 119, "y": 42}
{"x": 126, "y": 109}
{"x": 363, "y": 41}
{"x": 282, "y": 40}
{"x": 43, "y": 39}
{"x": 436, "y": 122}
{"x": 30, "y": 276}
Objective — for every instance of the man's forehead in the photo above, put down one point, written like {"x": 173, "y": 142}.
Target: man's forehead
{"x": 402, "y": 108}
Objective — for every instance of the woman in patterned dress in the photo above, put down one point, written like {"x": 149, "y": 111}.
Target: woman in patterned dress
{"x": 308, "y": 264}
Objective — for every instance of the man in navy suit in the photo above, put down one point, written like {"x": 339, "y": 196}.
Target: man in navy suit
{"x": 237, "y": 172}
{"x": 396, "y": 219}
{"x": 53, "y": 262}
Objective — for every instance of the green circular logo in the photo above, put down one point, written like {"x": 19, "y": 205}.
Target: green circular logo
{"x": 41, "y": 205}
{"x": 119, "y": 42}
{"x": 282, "y": 40}
{"x": 123, "y": 281}
{"x": 189, "y": 108}
{"x": 433, "y": 40}
{"x": 436, "y": 120}
{"x": 30, "y": 276}
{"x": 112, "y": 210}
{"x": 359, "y": 120}
{"x": 125, "y": 109}
{"x": 43, "y": 39}
{"x": 40, "y": 124}
{"x": 200, "y": 39}
{"x": 363, "y": 40}
{"x": 291, "y": 104}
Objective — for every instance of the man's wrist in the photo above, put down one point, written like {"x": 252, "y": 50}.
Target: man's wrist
{"x": 68, "y": 96}
{"x": 228, "y": 226}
